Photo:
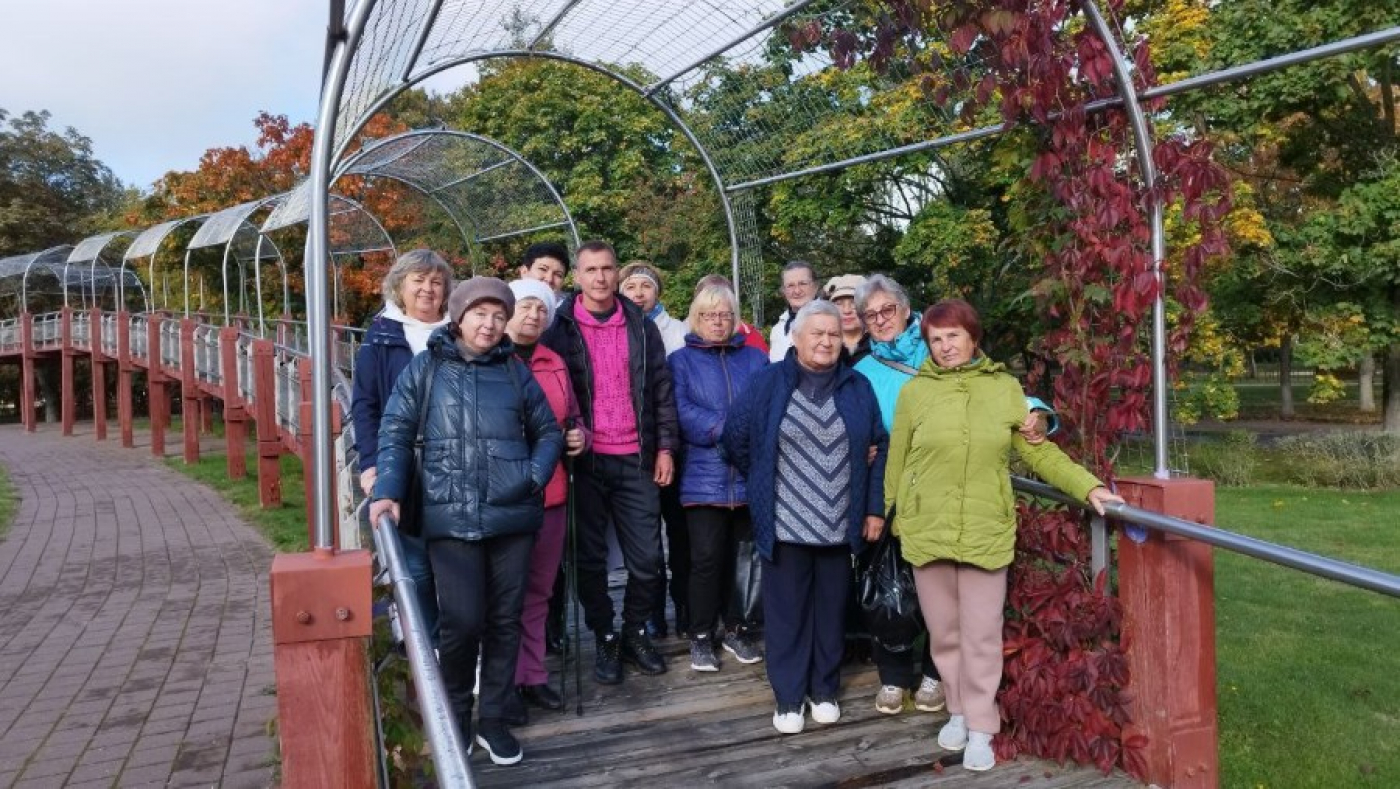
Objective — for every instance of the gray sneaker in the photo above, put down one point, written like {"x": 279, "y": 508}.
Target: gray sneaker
{"x": 702, "y": 655}
{"x": 743, "y": 648}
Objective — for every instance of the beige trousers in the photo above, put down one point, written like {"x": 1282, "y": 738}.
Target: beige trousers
{"x": 962, "y": 606}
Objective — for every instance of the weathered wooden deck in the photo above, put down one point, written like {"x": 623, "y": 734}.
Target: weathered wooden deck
{"x": 686, "y": 728}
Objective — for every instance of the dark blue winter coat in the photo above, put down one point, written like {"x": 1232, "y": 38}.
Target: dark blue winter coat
{"x": 750, "y": 442}
{"x": 379, "y": 361}
{"x": 490, "y": 444}
{"x": 707, "y": 377}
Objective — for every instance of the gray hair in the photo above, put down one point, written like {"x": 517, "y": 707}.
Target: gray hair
{"x": 815, "y": 307}
{"x": 879, "y": 283}
{"x": 415, "y": 262}
{"x": 710, "y": 297}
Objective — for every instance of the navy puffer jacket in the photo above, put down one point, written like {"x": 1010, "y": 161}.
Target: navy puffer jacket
{"x": 750, "y": 442}
{"x": 707, "y": 377}
{"x": 490, "y": 444}
{"x": 379, "y": 361}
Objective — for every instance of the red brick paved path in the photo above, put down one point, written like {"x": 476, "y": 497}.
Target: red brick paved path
{"x": 135, "y": 645}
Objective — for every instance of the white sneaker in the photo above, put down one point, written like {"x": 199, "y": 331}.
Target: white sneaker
{"x": 826, "y": 711}
{"x": 929, "y": 697}
{"x": 890, "y": 700}
{"x": 953, "y": 735}
{"x": 788, "y": 720}
{"x": 979, "y": 756}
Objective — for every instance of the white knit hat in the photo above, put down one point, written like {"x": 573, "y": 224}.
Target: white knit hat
{"x": 534, "y": 289}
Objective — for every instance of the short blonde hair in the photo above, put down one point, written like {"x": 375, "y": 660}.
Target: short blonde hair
{"x": 708, "y": 298}
{"x": 414, "y": 262}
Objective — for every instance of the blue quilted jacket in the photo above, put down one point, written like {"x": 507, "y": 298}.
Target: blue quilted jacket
{"x": 706, "y": 378}
{"x": 750, "y": 442}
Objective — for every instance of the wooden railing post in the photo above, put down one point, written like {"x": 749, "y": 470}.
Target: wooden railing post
{"x": 99, "y": 375}
{"x": 235, "y": 410}
{"x": 28, "y": 359}
{"x": 190, "y": 404}
{"x": 125, "y": 412}
{"x": 67, "y": 396}
{"x": 320, "y": 632}
{"x": 1167, "y": 586}
{"x": 265, "y": 413}
{"x": 158, "y": 397}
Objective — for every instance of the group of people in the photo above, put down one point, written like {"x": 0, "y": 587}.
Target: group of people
{"x": 782, "y": 459}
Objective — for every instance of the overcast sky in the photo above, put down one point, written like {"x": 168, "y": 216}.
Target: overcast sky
{"x": 155, "y": 83}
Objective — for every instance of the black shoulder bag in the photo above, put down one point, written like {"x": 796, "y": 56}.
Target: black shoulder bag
{"x": 888, "y": 595}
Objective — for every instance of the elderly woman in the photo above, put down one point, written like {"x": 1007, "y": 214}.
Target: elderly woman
{"x": 534, "y": 312}
{"x": 841, "y": 291}
{"x": 415, "y": 303}
{"x": 807, "y": 436}
{"x": 489, "y": 446}
{"x": 896, "y": 351}
{"x": 948, "y": 479}
{"x": 708, "y": 374}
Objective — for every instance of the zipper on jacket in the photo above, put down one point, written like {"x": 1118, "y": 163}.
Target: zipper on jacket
{"x": 729, "y": 401}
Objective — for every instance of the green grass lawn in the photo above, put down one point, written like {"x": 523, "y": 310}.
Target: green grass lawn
{"x": 285, "y": 526}
{"x": 1309, "y": 690}
{"x": 9, "y": 502}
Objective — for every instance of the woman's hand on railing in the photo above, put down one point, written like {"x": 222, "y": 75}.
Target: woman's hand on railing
{"x": 367, "y": 478}
{"x": 1100, "y": 496}
{"x": 382, "y": 506}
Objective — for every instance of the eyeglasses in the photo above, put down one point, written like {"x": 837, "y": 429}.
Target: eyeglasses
{"x": 803, "y": 285}
{"x": 883, "y": 314}
{"x": 717, "y": 316}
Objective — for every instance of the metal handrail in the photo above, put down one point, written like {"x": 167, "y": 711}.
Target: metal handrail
{"x": 449, "y": 752}
{"x": 81, "y": 329}
{"x": 48, "y": 330}
{"x": 9, "y": 334}
{"x": 1311, "y": 563}
{"x": 107, "y": 333}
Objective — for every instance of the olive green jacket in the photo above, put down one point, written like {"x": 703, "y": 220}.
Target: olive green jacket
{"x": 948, "y": 475}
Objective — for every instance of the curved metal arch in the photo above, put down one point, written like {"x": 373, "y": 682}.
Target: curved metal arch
{"x": 49, "y": 259}
{"x": 348, "y": 167}
{"x": 89, "y": 251}
{"x": 648, "y": 95}
{"x": 147, "y": 244}
{"x": 223, "y": 227}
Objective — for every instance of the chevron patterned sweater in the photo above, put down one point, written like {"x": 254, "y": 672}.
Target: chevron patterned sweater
{"x": 814, "y": 473}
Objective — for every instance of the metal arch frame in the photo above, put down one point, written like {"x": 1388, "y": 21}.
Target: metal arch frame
{"x": 251, "y": 207}
{"x": 97, "y": 255}
{"x": 24, "y": 279}
{"x": 622, "y": 79}
{"x": 345, "y": 47}
{"x": 347, "y": 168}
{"x": 170, "y": 227}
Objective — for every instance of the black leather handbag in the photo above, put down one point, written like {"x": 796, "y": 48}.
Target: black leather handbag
{"x": 888, "y": 596}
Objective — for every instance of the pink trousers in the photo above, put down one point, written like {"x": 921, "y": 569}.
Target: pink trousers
{"x": 962, "y": 606}
{"x": 544, "y": 565}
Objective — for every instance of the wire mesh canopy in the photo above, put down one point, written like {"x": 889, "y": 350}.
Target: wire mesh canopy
{"x": 488, "y": 190}
{"x": 224, "y": 226}
{"x": 28, "y": 277}
{"x": 101, "y": 277}
{"x": 353, "y": 229}
{"x": 710, "y": 64}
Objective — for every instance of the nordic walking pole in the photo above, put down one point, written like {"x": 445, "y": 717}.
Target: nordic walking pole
{"x": 571, "y": 585}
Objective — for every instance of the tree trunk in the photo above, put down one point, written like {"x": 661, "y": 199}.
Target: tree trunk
{"x": 1366, "y": 372}
{"x": 1285, "y": 376}
{"x": 1251, "y": 366}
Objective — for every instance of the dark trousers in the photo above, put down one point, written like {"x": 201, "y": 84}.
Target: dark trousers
{"x": 714, "y": 532}
{"x": 481, "y": 588}
{"x": 804, "y": 612}
{"x": 615, "y": 489}
{"x": 897, "y": 668}
{"x": 674, "y": 516}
